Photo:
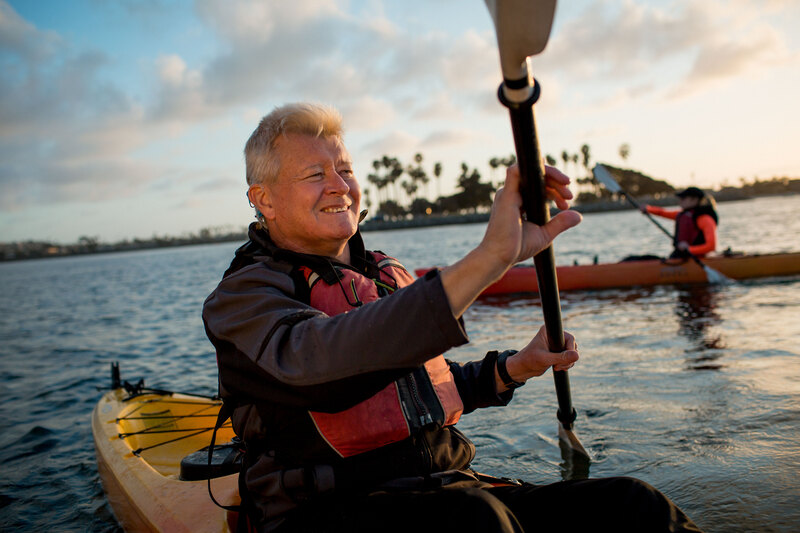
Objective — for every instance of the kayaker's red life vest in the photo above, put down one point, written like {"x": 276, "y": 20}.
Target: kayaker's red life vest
{"x": 394, "y": 413}
{"x": 686, "y": 229}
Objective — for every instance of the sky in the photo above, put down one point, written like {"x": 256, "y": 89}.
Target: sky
{"x": 128, "y": 119}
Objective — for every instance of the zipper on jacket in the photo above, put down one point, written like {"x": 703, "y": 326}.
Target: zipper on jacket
{"x": 383, "y": 288}
{"x": 423, "y": 412}
{"x": 425, "y": 453}
{"x": 358, "y": 302}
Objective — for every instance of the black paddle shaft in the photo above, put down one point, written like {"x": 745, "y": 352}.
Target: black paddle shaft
{"x": 635, "y": 204}
{"x": 534, "y": 200}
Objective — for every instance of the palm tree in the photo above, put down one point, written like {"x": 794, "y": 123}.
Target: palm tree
{"x": 411, "y": 189}
{"x": 565, "y": 158}
{"x": 376, "y": 180}
{"x": 493, "y": 164}
{"x": 394, "y": 171}
{"x": 508, "y": 161}
{"x": 586, "y": 157}
{"x": 624, "y": 151}
{"x": 437, "y": 173}
{"x": 367, "y": 200}
{"x": 417, "y": 174}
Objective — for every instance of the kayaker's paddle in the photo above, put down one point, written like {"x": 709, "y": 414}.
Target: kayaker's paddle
{"x": 602, "y": 175}
{"x": 523, "y": 27}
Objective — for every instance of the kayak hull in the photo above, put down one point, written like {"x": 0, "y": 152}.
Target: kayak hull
{"x": 646, "y": 273}
{"x": 144, "y": 489}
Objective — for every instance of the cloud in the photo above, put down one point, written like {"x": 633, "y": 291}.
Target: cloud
{"x": 367, "y": 113}
{"x": 394, "y": 143}
{"x": 451, "y": 138}
{"x": 299, "y": 50}
{"x": 23, "y": 40}
{"x": 730, "y": 59}
{"x": 638, "y": 45}
{"x": 60, "y": 125}
{"x": 439, "y": 106}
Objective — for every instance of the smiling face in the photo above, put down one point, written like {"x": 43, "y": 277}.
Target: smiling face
{"x": 313, "y": 205}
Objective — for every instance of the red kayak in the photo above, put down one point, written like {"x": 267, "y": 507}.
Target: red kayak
{"x": 646, "y": 273}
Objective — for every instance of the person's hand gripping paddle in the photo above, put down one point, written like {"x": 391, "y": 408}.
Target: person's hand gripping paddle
{"x": 523, "y": 27}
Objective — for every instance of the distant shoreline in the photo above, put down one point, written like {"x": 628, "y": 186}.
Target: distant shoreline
{"x": 470, "y": 218}
{"x": 20, "y": 251}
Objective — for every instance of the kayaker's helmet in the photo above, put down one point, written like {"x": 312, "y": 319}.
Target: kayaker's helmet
{"x": 692, "y": 192}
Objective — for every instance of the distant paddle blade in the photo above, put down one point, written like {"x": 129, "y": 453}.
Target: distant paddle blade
{"x": 602, "y": 175}
{"x": 716, "y": 277}
{"x": 522, "y": 27}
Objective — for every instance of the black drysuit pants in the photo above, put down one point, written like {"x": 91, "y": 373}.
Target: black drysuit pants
{"x": 620, "y": 504}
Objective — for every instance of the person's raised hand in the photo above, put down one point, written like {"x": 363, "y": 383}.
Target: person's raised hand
{"x": 508, "y": 237}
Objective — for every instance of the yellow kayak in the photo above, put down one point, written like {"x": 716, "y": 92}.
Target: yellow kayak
{"x": 141, "y": 437}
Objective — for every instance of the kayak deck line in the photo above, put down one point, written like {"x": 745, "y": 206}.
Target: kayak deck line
{"x": 140, "y": 464}
{"x": 520, "y": 278}
{"x": 165, "y": 420}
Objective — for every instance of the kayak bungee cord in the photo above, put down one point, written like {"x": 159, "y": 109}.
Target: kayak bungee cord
{"x": 166, "y": 420}
{"x": 138, "y": 451}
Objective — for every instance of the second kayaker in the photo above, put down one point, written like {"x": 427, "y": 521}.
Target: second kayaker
{"x": 695, "y": 222}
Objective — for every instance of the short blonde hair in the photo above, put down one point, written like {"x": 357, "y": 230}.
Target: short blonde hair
{"x": 261, "y": 160}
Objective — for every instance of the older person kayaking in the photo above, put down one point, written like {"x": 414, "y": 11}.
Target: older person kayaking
{"x": 331, "y": 356}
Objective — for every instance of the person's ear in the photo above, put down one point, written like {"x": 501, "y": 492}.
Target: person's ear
{"x": 261, "y": 198}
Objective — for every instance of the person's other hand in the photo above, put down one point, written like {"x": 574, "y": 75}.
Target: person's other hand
{"x": 536, "y": 358}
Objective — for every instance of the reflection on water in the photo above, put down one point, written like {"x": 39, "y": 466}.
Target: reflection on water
{"x": 697, "y": 321}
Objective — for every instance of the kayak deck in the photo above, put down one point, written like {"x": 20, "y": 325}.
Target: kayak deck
{"x": 140, "y": 440}
{"x": 646, "y": 273}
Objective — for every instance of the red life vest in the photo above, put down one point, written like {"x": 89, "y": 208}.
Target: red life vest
{"x": 426, "y": 396}
{"x": 686, "y": 229}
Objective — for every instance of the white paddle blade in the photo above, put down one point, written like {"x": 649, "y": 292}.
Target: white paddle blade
{"x": 716, "y": 277}
{"x": 602, "y": 175}
{"x": 522, "y": 27}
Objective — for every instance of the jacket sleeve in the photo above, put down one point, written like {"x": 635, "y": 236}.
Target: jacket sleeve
{"x": 273, "y": 347}
{"x": 671, "y": 214}
{"x": 709, "y": 228}
{"x": 476, "y": 383}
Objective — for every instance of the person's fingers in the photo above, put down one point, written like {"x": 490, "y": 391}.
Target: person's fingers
{"x": 512, "y": 174}
{"x": 559, "y": 197}
{"x": 555, "y": 175}
{"x": 566, "y": 360}
{"x": 556, "y": 189}
{"x": 560, "y": 223}
{"x": 569, "y": 341}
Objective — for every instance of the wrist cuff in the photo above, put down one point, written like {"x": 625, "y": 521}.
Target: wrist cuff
{"x": 505, "y": 377}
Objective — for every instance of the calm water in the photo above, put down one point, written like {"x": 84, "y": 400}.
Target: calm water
{"x": 696, "y": 391}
